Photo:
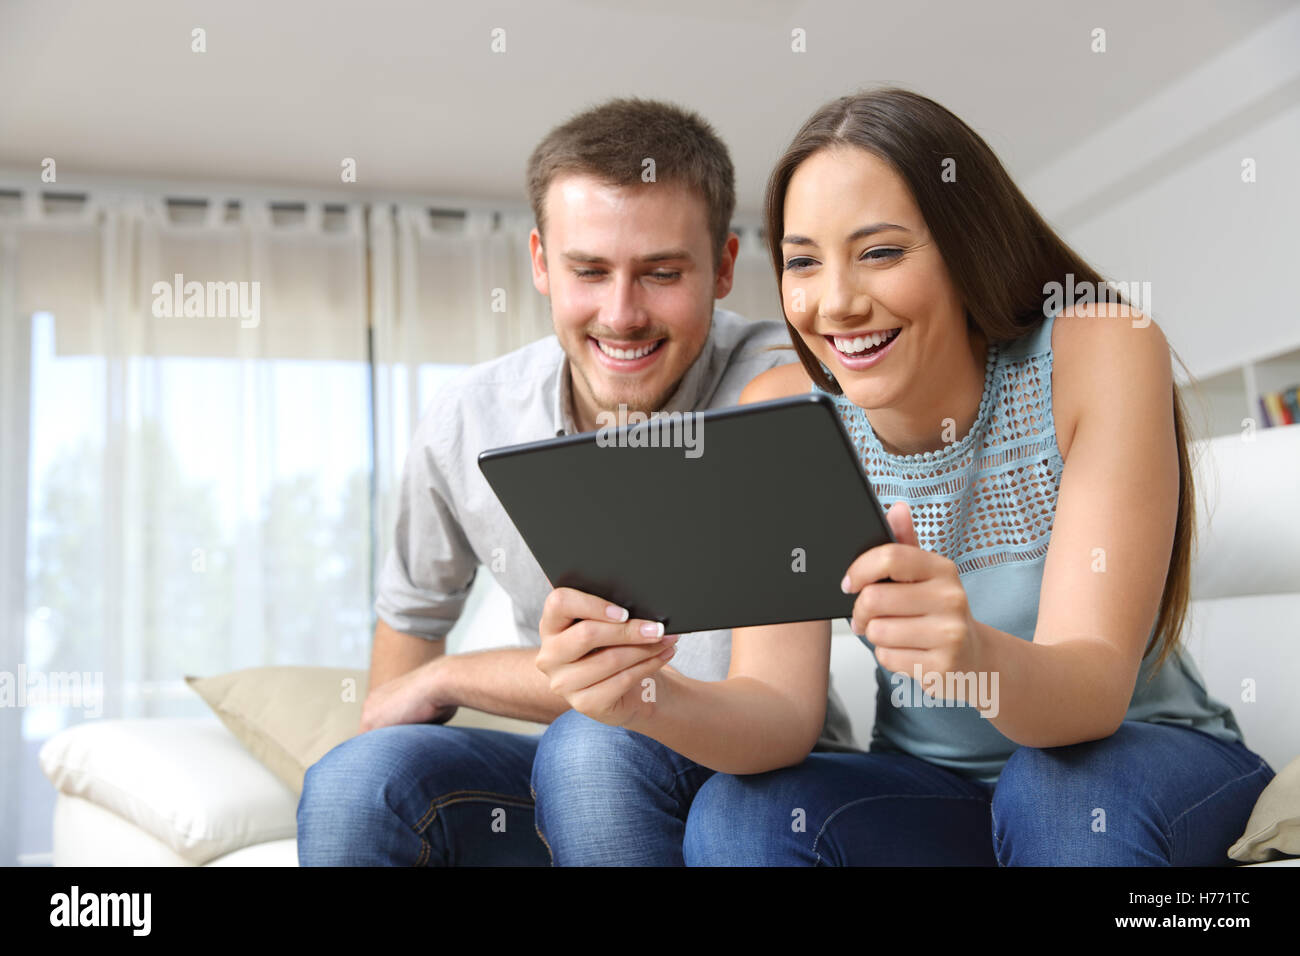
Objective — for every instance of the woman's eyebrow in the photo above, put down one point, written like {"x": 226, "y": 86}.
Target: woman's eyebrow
{"x": 862, "y": 233}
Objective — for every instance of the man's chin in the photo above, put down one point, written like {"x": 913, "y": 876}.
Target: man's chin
{"x": 634, "y": 396}
{"x": 632, "y": 403}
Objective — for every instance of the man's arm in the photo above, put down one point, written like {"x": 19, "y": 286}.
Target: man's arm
{"x": 504, "y": 681}
{"x": 422, "y": 591}
{"x": 395, "y": 653}
{"x": 414, "y": 680}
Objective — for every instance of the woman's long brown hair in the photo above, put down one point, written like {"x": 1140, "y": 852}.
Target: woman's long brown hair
{"x": 998, "y": 250}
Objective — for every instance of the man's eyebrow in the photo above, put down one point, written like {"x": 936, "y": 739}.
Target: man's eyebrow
{"x": 577, "y": 255}
{"x": 857, "y": 234}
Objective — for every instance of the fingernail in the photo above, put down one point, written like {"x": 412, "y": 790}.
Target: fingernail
{"x": 616, "y": 613}
{"x": 846, "y": 584}
{"x": 653, "y": 629}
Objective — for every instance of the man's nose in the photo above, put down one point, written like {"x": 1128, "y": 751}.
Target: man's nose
{"x": 623, "y": 311}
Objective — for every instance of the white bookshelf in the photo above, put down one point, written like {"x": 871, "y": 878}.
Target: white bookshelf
{"x": 1219, "y": 403}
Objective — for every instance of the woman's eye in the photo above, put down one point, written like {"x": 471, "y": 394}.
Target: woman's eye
{"x": 881, "y": 255}
{"x": 798, "y": 262}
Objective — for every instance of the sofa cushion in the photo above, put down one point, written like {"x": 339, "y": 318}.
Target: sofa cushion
{"x": 186, "y": 782}
{"x": 1273, "y": 830}
{"x": 290, "y": 717}
{"x": 287, "y": 717}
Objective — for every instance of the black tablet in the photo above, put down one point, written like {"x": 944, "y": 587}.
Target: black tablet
{"x": 703, "y": 520}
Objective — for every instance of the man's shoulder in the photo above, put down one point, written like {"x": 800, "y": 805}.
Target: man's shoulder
{"x": 746, "y": 348}
{"x": 532, "y": 363}
{"x": 734, "y": 328}
{"x": 497, "y": 390}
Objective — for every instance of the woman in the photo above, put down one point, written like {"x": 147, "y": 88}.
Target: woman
{"x": 1035, "y": 466}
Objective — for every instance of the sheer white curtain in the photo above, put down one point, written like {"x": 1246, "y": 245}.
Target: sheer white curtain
{"x": 447, "y": 291}
{"x": 755, "y": 294}
{"x": 184, "y": 493}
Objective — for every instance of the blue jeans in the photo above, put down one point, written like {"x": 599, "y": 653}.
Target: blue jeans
{"x": 421, "y": 795}
{"x": 1150, "y": 794}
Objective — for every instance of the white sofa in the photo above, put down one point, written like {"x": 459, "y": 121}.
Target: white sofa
{"x": 185, "y": 792}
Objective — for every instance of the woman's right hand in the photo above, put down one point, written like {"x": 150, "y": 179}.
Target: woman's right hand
{"x": 596, "y": 659}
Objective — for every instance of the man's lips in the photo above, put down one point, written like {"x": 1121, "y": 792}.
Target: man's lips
{"x": 627, "y": 364}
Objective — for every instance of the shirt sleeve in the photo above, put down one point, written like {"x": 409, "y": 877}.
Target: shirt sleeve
{"x": 427, "y": 574}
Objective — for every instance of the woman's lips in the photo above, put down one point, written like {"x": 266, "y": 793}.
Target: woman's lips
{"x": 866, "y": 359}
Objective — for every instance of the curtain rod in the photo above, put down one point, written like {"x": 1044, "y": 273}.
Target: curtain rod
{"x": 14, "y": 181}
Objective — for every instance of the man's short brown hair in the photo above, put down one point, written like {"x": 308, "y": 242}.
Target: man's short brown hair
{"x": 612, "y": 141}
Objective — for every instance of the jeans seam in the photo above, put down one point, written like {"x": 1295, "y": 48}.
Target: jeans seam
{"x": 882, "y": 796}
{"x": 997, "y": 837}
{"x": 466, "y": 796}
{"x": 537, "y": 828}
{"x": 1169, "y": 834}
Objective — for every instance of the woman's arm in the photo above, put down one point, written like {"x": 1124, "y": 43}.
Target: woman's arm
{"x": 767, "y": 714}
{"x": 1111, "y": 539}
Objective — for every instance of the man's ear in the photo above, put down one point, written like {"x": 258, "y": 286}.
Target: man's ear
{"x": 537, "y": 256}
{"x": 726, "y": 276}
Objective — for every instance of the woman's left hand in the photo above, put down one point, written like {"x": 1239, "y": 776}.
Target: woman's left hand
{"x": 919, "y": 618}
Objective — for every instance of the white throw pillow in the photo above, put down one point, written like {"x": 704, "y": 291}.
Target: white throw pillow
{"x": 188, "y": 782}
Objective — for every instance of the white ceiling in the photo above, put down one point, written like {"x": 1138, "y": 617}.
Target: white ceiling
{"x": 413, "y": 92}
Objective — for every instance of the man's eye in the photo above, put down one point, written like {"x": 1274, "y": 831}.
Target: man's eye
{"x": 666, "y": 275}
{"x": 587, "y": 273}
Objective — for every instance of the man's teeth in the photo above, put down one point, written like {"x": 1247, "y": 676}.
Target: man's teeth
{"x": 626, "y": 354}
{"x": 864, "y": 342}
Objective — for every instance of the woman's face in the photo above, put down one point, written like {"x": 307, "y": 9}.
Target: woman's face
{"x": 863, "y": 282}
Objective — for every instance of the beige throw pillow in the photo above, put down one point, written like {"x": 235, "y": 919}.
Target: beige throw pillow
{"x": 290, "y": 717}
{"x": 1273, "y": 831}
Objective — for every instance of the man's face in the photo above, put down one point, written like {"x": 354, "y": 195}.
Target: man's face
{"x": 630, "y": 275}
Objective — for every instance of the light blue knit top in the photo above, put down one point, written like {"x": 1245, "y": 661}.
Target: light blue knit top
{"x": 987, "y": 503}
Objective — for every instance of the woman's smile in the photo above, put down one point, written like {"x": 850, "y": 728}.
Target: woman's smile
{"x": 863, "y": 350}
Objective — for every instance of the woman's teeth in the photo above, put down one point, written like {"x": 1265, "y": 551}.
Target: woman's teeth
{"x": 627, "y": 354}
{"x": 864, "y": 342}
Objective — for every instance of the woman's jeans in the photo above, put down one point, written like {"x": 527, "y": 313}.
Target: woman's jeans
{"x": 421, "y": 795}
{"x": 1148, "y": 795}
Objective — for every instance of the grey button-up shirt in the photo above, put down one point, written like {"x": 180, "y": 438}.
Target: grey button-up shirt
{"x": 450, "y": 522}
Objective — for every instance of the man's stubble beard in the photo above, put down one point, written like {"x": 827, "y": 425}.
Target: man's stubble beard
{"x": 635, "y": 402}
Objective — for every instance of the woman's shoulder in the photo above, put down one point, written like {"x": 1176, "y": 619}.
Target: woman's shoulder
{"x": 1102, "y": 356}
{"x": 782, "y": 381}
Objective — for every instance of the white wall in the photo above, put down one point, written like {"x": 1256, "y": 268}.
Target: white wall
{"x": 1158, "y": 196}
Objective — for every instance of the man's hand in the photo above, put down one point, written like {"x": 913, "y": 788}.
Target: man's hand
{"x": 596, "y": 658}
{"x": 408, "y": 699}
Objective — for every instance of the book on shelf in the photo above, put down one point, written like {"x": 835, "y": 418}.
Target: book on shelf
{"x": 1280, "y": 408}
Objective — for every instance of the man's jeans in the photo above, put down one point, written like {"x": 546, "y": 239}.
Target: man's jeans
{"x": 1148, "y": 795}
{"x": 421, "y": 795}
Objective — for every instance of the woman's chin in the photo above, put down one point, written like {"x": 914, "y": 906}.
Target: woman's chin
{"x": 867, "y": 396}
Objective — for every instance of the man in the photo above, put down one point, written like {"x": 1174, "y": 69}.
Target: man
{"x": 633, "y": 202}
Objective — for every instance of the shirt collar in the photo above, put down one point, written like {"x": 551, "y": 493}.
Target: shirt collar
{"x": 687, "y": 397}
{"x": 562, "y": 400}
